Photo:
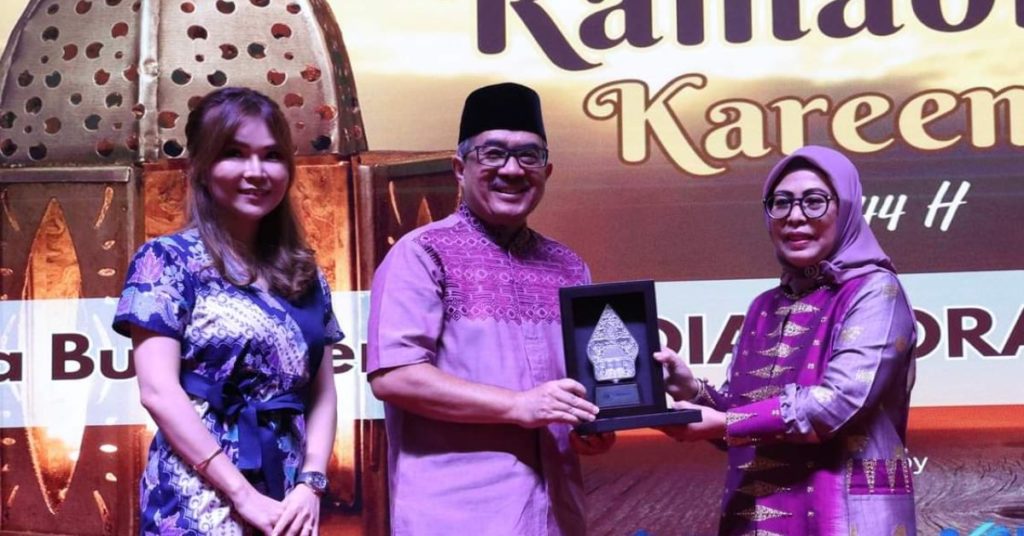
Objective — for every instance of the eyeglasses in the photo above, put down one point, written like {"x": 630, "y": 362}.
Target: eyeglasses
{"x": 497, "y": 157}
{"x": 813, "y": 205}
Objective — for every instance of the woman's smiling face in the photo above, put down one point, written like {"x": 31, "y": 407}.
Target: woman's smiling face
{"x": 799, "y": 240}
{"x": 250, "y": 179}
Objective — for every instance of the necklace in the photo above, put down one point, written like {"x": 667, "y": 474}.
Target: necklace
{"x": 798, "y": 295}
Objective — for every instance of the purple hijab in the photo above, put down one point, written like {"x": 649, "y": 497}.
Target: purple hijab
{"x": 857, "y": 251}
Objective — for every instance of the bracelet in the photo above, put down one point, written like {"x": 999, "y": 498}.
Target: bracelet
{"x": 201, "y": 466}
{"x": 702, "y": 395}
{"x": 700, "y": 392}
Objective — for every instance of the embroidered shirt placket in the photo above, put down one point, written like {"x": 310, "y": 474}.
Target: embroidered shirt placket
{"x": 527, "y": 338}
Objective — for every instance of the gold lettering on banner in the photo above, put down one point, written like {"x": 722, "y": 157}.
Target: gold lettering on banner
{"x": 732, "y": 128}
{"x": 628, "y": 102}
{"x": 984, "y": 104}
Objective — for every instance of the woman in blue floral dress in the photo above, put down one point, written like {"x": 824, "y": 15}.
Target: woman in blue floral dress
{"x": 232, "y": 325}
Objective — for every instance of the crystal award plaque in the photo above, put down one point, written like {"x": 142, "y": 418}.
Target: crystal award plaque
{"x": 610, "y": 332}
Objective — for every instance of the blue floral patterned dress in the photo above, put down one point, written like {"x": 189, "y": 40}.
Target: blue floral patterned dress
{"x": 248, "y": 358}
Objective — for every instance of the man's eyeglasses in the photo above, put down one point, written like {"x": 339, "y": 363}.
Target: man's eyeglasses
{"x": 813, "y": 205}
{"x": 497, "y": 157}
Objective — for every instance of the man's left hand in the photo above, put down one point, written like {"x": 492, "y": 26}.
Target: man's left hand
{"x": 592, "y": 444}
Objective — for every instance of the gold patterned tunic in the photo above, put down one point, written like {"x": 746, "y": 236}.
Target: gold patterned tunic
{"x": 817, "y": 400}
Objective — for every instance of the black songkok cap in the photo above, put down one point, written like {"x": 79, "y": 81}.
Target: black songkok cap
{"x": 506, "y": 106}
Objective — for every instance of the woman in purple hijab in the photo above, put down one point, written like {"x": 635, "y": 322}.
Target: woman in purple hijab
{"x": 814, "y": 410}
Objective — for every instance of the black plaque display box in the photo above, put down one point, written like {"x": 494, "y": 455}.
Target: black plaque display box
{"x": 632, "y": 328}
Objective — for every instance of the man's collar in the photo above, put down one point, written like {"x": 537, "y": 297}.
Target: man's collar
{"x": 518, "y": 240}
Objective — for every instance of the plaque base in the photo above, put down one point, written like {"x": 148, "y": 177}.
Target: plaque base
{"x": 617, "y": 395}
{"x": 649, "y": 420}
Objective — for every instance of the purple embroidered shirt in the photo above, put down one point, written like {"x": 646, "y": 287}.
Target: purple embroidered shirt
{"x": 448, "y": 294}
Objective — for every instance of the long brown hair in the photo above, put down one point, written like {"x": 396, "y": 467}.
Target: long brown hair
{"x": 280, "y": 255}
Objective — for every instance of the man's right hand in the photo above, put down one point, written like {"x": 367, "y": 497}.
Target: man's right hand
{"x": 555, "y": 401}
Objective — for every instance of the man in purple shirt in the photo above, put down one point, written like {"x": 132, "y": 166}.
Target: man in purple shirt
{"x": 465, "y": 345}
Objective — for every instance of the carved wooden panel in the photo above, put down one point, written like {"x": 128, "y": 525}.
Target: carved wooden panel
{"x": 65, "y": 239}
{"x": 100, "y": 498}
{"x": 397, "y": 192}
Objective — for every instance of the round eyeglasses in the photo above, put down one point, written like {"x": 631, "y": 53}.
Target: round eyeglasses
{"x": 497, "y": 157}
{"x": 813, "y": 205}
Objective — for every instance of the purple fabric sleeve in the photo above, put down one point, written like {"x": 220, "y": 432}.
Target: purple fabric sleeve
{"x": 869, "y": 350}
{"x": 406, "y": 309}
{"x": 717, "y": 398}
{"x": 759, "y": 420}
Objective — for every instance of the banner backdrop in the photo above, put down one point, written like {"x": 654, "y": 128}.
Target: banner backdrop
{"x": 63, "y": 354}
{"x": 663, "y": 118}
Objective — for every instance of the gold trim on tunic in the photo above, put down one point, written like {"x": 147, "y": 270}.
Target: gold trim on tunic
{"x": 733, "y": 417}
{"x": 796, "y": 308}
{"x": 763, "y": 513}
{"x": 760, "y": 463}
{"x": 789, "y": 329}
{"x": 763, "y": 393}
{"x": 741, "y": 441}
{"x": 869, "y": 473}
{"x": 849, "y": 475}
{"x": 907, "y": 472}
{"x": 823, "y": 395}
{"x": 779, "y": 350}
{"x": 769, "y": 372}
{"x": 762, "y": 489}
{"x": 850, "y": 334}
{"x": 890, "y": 472}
